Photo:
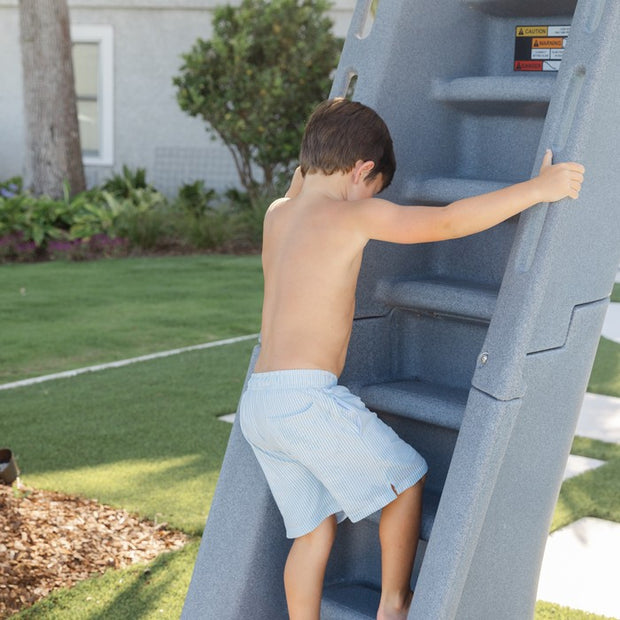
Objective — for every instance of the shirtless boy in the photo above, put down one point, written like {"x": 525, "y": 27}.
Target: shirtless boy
{"x": 325, "y": 456}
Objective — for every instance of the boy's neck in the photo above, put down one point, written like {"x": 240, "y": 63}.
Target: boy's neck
{"x": 327, "y": 186}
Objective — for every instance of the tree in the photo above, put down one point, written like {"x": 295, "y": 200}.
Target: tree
{"x": 257, "y": 79}
{"x": 53, "y": 152}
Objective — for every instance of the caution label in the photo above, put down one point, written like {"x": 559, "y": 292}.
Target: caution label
{"x": 532, "y": 31}
{"x": 539, "y": 48}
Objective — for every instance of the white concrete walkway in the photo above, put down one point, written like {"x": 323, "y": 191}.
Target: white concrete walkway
{"x": 580, "y": 568}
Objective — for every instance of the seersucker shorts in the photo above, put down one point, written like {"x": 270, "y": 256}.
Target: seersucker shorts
{"x": 322, "y": 451}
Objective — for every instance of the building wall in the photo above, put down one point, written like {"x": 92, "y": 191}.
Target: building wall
{"x": 149, "y": 129}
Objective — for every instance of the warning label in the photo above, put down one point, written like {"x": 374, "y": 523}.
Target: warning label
{"x": 539, "y": 48}
{"x": 556, "y": 42}
{"x": 532, "y": 31}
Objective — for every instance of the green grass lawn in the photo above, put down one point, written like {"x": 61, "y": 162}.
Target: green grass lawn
{"x": 145, "y": 592}
{"x": 67, "y": 315}
{"x": 146, "y": 437}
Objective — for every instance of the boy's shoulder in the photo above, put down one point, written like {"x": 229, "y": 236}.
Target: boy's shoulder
{"x": 278, "y": 202}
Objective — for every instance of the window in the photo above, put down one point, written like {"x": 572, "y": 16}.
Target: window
{"x": 94, "y": 84}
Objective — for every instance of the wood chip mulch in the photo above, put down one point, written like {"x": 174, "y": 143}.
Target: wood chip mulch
{"x": 49, "y": 540}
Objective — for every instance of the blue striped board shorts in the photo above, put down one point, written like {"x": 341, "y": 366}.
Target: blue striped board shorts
{"x": 322, "y": 451}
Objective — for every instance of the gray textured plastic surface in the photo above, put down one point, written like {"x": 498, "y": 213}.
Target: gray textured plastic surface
{"x": 477, "y": 351}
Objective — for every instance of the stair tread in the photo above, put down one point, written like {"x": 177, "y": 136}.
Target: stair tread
{"x": 501, "y": 88}
{"x": 417, "y": 400}
{"x": 523, "y": 8}
{"x": 350, "y": 601}
{"x": 441, "y": 296}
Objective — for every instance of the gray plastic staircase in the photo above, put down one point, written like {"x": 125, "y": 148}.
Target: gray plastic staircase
{"x": 477, "y": 351}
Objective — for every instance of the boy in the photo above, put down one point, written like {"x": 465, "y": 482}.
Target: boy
{"x": 325, "y": 456}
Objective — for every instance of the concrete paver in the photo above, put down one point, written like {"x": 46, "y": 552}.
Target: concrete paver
{"x": 611, "y": 326}
{"x": 600, "y": 418}
{"x": 577, "y": 465}
{"x": 580, "y": 567}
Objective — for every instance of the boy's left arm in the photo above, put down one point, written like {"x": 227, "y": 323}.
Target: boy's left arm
{"x": 386, "y": 221}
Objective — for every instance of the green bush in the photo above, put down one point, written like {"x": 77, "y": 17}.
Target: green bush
{"x": 256, "y": 81}
{"x": 195, "y": 199}
{"x": 124, "y": 185}
{"x": 125, "y": 214}
{"x": 27, "y": 223}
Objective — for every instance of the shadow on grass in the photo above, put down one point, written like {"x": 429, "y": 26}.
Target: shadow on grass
{"x": 153, "y": 589}
{"x": 139, "y": 592}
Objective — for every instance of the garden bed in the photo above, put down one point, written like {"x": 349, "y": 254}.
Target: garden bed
{"x": 49, "y": 540}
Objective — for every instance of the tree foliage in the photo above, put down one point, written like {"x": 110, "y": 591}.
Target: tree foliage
{"x": 255, "y": 82}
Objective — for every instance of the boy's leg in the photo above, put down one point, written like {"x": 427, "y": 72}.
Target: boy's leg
{"x": 399, "y": 531}
{"x": 305, "y": 570}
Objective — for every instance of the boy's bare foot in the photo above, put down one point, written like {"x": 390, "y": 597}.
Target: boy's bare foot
{"x": 394, "y": 610}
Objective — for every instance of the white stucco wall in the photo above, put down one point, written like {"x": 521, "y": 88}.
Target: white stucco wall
{"x": 11, "y": 113}
{"x": 150, "y": 131}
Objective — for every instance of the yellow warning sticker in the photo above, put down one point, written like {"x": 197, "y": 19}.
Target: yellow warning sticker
{"x": 532, "y": 31}
{"x": 549, "y": 43}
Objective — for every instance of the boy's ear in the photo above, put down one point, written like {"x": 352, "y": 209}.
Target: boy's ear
{"x": 361, "y": 170}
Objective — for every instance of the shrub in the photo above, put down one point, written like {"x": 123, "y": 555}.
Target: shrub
{"x": 14, "y": 248}
{"x": 104, "y": 212}
{"x": 195, "y": 199}
{"x": 34, "y": 219}
{"x": 124, "y": 185}
{"x": 125, "y": 214}
{"x": 214, "y": 230}
{"x": 97, "y": 246}
{"x": 11, "y": 187}
{"x": 255, "y": 82}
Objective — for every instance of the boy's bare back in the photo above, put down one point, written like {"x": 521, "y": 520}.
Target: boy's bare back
{"x": 310, "y": 264}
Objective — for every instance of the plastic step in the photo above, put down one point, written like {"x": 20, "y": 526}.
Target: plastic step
{"x": 523, "y": 8}
{"x": 440, "y": 296}
{"x": 417, "y": 400}
{"x": 350, "y": 601}
{"x": 519, "y": 95}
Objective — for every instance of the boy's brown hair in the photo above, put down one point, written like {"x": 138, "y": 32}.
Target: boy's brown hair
{"x": 342, "y": 132}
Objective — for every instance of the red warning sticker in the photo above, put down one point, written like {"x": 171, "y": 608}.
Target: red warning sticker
{"x": 528, "y": 65}
{"x": 539, "y": 48}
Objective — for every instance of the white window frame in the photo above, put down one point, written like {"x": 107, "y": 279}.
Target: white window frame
{"x": 103, "y": 35}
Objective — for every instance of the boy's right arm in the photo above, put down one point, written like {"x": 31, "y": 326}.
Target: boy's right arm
{"x": 386, "y": 221}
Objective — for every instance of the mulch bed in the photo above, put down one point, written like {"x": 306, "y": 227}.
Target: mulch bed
{"x": 49, "y": 540}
